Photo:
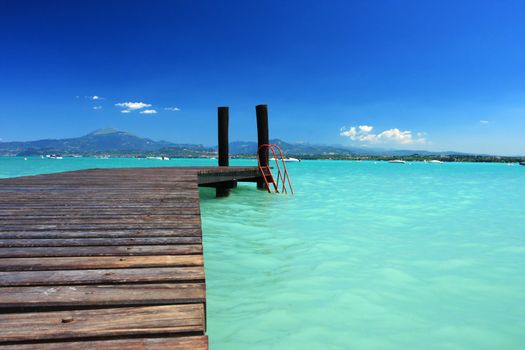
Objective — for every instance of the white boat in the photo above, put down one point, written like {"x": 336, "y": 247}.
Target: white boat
{"x": 435, "y": 161}
{"x": 291, "y": 160}
{"x": 159, "y": 158}
{"x": 397, "y": 161}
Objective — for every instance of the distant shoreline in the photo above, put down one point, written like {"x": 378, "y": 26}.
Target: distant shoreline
{"x": 412, "y": 158}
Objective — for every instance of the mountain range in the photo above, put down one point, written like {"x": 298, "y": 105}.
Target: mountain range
{"x": 98, "y": 141}
{"x": 117, "y": 142}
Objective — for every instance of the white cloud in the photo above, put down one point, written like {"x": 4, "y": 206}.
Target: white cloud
{"x": 398, "y": 136}
{"x": 484, "y": 121}
{"x": 363, "y": 133}
{"x": 173, "y": 109}
{"x": 125, "y": 111}
{"x": 348, "y": 133}
{"x": 365, "y": 128}
{"x": 97, "y": 107}
{"x": 94, "y": 97}
{"x": 133, "y": 106}
{"x": 148, "y": 111}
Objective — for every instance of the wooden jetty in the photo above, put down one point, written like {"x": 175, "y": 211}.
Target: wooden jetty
{"x": 106, "y": 258}
{"x": 110, "y": 258}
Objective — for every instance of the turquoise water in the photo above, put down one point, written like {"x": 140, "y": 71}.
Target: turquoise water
{"x": 365, "y": 256}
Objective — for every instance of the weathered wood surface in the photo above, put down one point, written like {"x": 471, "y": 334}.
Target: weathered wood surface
{"x": 179, "y": 343}
{"x": 105, "y": 258}
{"x": 101, "y": 251}
{"x": 103, "y": 294}
{"x": 87, "y": 262}
{"x": 139, "y": 320}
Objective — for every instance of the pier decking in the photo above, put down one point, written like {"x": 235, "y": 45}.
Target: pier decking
{"x": 105, "y": 258}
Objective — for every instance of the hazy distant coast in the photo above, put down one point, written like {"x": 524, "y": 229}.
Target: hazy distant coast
{"x": 115, "y": 143}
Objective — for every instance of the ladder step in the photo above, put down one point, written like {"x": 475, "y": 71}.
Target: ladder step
{"x": 266, "y": 172}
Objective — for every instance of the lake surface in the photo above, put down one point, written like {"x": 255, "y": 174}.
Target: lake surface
{"x": 366, "y": 255}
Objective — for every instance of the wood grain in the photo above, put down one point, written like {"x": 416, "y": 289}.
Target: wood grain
{"x": 109, "y": 262}
{"x": 178, "y": 343}
{"x": 166, "y": 319}
{"x": 104, "y": 294}
{"x": 95, "y": 276}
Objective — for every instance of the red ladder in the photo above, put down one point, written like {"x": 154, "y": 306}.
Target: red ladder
{"x": 266, "y": 171}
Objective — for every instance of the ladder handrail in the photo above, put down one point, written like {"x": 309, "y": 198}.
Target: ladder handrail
{"x": 282, "y": 176}
{"x": 286, "y": 175}
{"x": 263, "y": 173}
{"x": 267, "y": 166}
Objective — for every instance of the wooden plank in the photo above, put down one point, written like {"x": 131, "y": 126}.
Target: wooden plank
{"x": 86, "y": 186}
{"x": 109, "y": 262}
{"x": 104, "y": 219}
{"x": 102, "y": 295}
{"x": 176, "y": 232}
{"x": 101, "y": 251}
{"x": 167, "y": 196}
{"x": 75, "y": 242}
{"x": 108, "y": 226}
{"x": 173, "y": 343}
{"x": 95, "y": 197}
{"x": 109, "y": 203}
{"x": 122, "y": 180}
{"x": 89, "y": 216}
{"x": 77, "y": 204}
{"x": 21, "y": 212}
{"x": 168, "y": 319}
{"x": 70, "y": 277}
{"x": 97, "y": 180}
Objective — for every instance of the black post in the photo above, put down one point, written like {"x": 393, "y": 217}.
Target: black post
{"x": 223, "y": 190}
{"x": 223, "y": 136}
{"x": 262, "y": 136}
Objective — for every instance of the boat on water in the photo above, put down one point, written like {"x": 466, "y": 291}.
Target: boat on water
{"x": 289, "y": 160}
{"x": 53, "y": 156}
{"x": 397, "y": 161}
{"x": 159, "y": 158}
{"x": 435, "y": 161}
{"x": 522, "y": 163}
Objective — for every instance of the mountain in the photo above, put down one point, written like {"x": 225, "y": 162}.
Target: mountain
{"x": 125, "y": 144}
{"x": 298, "y": 149}
{"x": 310, "y": 150}
{"x": 102, "y": 140}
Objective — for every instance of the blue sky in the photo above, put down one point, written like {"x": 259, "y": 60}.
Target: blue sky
{"x": 437, "y": 75}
